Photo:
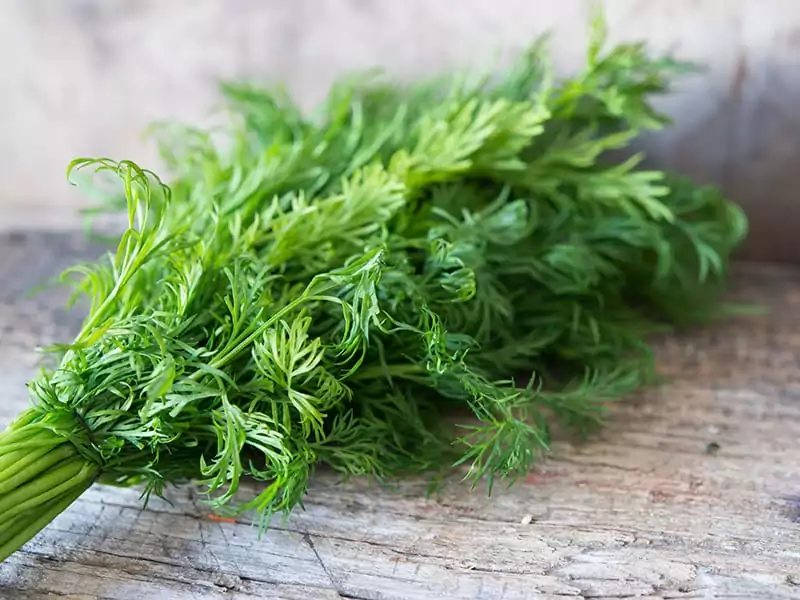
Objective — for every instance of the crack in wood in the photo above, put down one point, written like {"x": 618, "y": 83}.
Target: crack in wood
{"x": 334, "y": 583}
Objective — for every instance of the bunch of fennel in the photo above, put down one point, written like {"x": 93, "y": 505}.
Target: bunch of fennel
{"x": 329, "y": 289}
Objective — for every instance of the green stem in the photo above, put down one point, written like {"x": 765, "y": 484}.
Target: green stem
{"x": 29, "y": 460}
{"x": 12, "y": 528}
{"x": 24, "y": 418}
{"x": 18, "y": 537}
{"x": 383, "y": 371}
{"x": 10, "y": 458}
{"x": 49, "y": 484}
{"x": 41, "y": 474}
{"x": 11, "y": 438}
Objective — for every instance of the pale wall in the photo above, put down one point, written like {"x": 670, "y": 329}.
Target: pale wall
{"x": 84, "y": 77}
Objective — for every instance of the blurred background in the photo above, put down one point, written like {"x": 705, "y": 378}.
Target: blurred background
{"x": 86, "y": 77}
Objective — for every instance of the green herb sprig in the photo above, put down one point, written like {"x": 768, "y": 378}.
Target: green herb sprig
{"x": 331, "y": 289}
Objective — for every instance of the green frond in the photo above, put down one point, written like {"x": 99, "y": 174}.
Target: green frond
{"x": 332, "y": 289}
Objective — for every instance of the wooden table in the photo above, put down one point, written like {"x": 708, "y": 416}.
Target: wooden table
{"x": 692, "y": 491}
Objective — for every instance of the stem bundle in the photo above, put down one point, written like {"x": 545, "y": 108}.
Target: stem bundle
{"x": 41, "y": 474}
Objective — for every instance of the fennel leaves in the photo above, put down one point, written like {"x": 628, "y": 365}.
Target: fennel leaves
{"x": 329, "y": 289}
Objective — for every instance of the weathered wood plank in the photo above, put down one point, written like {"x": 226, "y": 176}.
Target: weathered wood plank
{"x": 643, "y": 510}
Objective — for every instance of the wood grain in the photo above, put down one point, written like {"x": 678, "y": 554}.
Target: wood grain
{"x": 692, "y": 491}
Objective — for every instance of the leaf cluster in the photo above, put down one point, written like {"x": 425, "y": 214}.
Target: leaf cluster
{"x": 330, "y": 288}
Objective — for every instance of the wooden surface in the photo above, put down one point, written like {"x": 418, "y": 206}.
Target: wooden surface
{"x": 692, "y": 491}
